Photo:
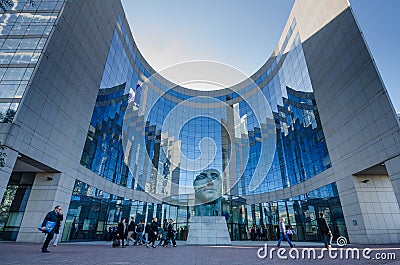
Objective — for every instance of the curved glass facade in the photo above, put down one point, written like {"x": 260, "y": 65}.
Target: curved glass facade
{"x": 164, "y": 146}
{"x": 153, "y": 136}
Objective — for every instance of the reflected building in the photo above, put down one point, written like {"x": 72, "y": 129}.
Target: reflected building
{"x": 103, "y": 152}
{"x": 300, "y": 138}
{"x": 88, "y": 124}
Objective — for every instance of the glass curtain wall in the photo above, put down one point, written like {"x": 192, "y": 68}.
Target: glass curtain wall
{"x": 24, "y": 30}
{"x": 93, "y": 214}
{"x": 155, "y": 163}
{"x": 300, "y": 153}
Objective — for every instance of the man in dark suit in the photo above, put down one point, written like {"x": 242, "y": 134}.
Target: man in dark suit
{"x": 324, "y": 230}
{"x": 121, "y": 231}
{"x": 153, "y": 231}
{"x": 53, "y": 216}
{"x": 170, "y": 234}
{"x": 131, "y": 231}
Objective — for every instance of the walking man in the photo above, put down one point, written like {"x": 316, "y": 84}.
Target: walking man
{"x": 164, "y": 232}
{"x": 139, "y": 231}
{"x": 153, "y": 229}
{"x": 121, "y": 231}
{"x": 170, "y": 233}
{"x": 282, "y": 232}
{"x": 55, "y": 216}
{"x": 131, "y": 230}
{"x": 324, "y": 230}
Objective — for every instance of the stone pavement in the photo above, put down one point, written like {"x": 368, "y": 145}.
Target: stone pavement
{"x": 238, "y": 253}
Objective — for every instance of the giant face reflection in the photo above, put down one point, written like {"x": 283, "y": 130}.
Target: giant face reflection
{"x": 207, "y": 186}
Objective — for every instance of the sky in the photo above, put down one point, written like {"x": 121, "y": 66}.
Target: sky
{"x": 243, "y": 34}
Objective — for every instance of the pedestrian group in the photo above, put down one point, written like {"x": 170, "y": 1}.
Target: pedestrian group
{"x": 141, "y": 234}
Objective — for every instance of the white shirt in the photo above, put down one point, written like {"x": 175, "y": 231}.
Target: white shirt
{"x": 282, "y": 227}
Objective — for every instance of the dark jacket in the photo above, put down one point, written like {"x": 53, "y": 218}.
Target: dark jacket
{"x": 53, "y": 216}
{"x": 121, "y": 230}
{"x": 323, "y": 227}
{"x": 171, "y": 229}
{"x": 58, "y": 225}
{"x": 131, "y": 226}
{"x": 165, "y": 226}
{"x": 153, "y": 228}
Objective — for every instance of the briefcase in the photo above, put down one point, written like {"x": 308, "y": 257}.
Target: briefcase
{"x": 49, "y": 226}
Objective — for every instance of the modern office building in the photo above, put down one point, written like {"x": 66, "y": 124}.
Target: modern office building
{"x": 89, "y": 125}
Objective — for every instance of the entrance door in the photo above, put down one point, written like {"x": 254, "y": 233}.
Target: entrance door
{"x": 14, "y": 202}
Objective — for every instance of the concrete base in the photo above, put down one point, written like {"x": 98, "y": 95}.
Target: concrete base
{"x": 208, "y": 230}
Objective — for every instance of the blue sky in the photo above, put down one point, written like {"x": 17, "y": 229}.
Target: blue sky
{"x": 243, "y": 34}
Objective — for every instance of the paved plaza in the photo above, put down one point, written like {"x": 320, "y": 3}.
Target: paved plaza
{"x": 103, "y": 253}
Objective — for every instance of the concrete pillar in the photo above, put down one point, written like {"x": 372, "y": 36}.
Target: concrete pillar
{"x": 393, "y": 169}
{"x": 370, "y": 209}
{"x": 48, "y": 190}
{"x": 5, "y": 172}
{"x": 351, "y": 209}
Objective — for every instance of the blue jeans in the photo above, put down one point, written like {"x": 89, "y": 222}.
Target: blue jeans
{"x": 282, "y": 235}
{"x": 139, "y": 236}
{"x": 163, "y": 238}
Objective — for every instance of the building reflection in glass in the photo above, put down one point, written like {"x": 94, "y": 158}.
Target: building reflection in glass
{"x": 167, "y": 161}
{"x": 188, "y": 132}
{"x": 92, "y": 212}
